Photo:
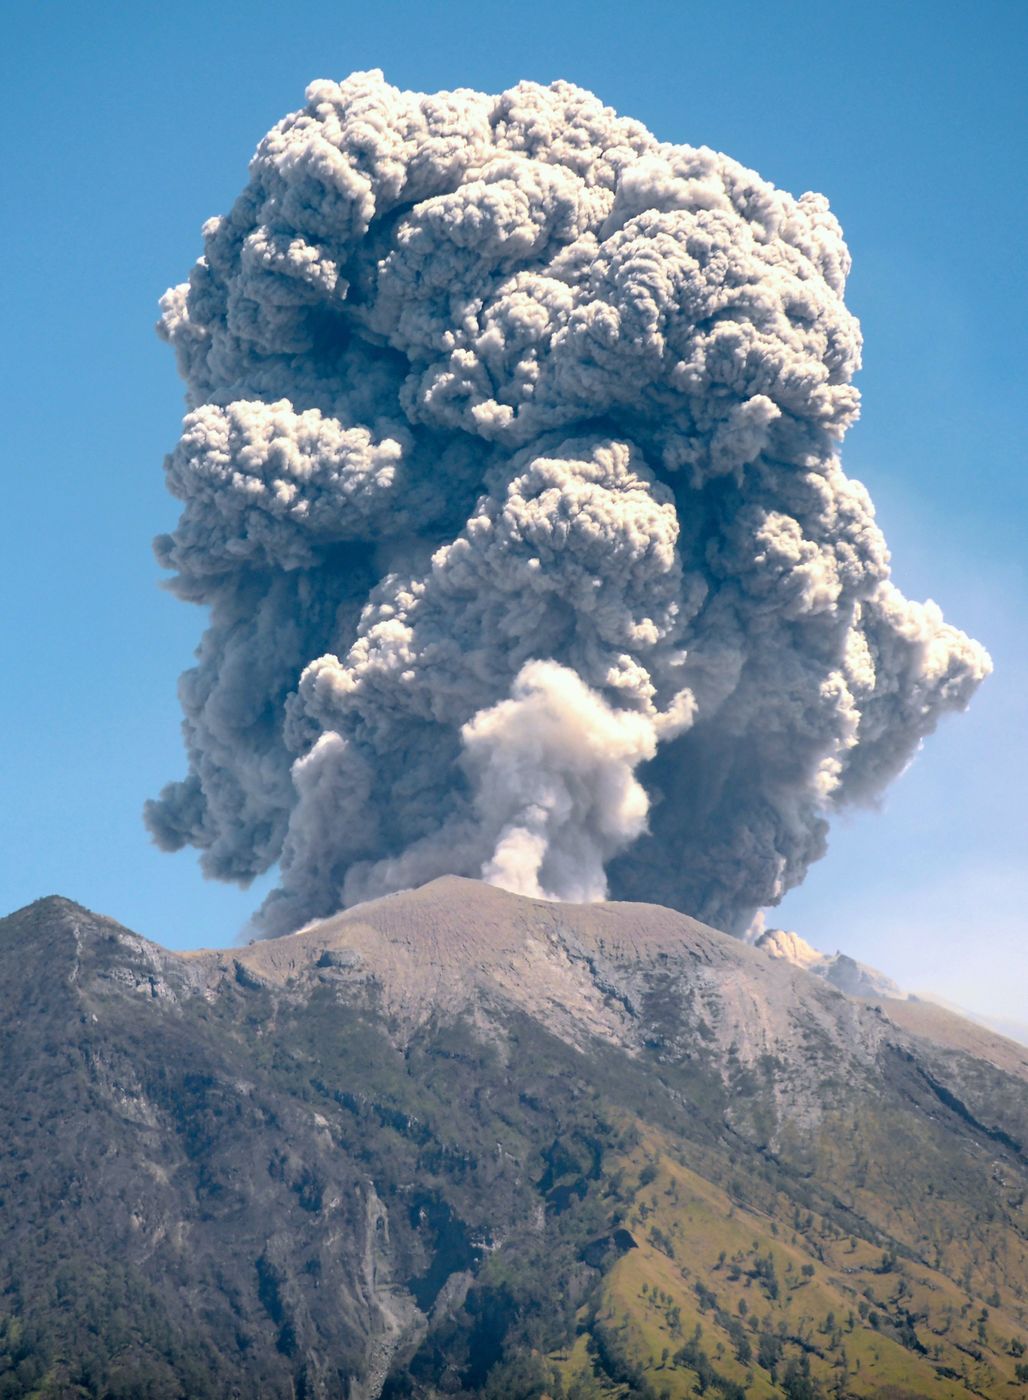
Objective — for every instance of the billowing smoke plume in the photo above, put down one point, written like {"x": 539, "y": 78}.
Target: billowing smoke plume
{"x": 510, "y": 480}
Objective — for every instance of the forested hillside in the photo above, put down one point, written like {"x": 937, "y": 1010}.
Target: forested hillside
{"x": 460, "y": 1143}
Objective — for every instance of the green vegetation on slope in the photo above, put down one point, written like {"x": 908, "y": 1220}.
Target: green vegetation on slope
{"x": 286, "y": 1193}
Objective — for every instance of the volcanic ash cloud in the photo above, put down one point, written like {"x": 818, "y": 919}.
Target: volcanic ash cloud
{"x": 510, "y": 480}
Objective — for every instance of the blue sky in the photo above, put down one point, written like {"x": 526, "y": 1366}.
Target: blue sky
{"x": 128, "y": 125}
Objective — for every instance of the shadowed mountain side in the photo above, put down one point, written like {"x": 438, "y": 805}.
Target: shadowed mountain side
{"x": 460, "y": 1142}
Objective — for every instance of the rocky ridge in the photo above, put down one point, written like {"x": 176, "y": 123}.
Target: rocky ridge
{"x": 439, "y": 1143}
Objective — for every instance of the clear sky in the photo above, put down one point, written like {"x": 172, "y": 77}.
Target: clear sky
{"x": 129, "y": 124}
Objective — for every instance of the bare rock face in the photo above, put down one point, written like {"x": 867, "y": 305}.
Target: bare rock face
{"x": 854, "y": 978}
{"x": 421, "y": 1147}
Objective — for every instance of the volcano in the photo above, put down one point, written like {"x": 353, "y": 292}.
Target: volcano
{"x": 460, "y": 1142}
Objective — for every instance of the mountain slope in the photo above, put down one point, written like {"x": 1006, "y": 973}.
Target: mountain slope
{"x": 458, "y": 1142}
{"x": 850, "y": 976}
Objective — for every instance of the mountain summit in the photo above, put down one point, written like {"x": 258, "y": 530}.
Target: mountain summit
{"x": 459, "y": 1142}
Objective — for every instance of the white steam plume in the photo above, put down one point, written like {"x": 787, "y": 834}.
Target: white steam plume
{"x": 511, "y": 482}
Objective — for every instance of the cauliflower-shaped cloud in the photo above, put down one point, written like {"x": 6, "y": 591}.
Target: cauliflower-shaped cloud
{"x": 511, "y": 483}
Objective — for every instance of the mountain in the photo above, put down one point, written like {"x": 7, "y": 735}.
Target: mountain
{"x": 456, "y": 1142}
{"x": 1013, "y": 1030}
{"x": 857, "y": 979}
{"x": 854, "y": 978}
